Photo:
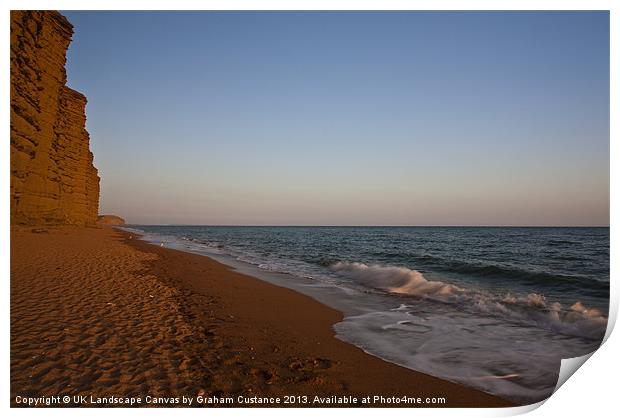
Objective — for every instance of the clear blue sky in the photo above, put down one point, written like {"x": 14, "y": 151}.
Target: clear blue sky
{"x": 386, "y": 118}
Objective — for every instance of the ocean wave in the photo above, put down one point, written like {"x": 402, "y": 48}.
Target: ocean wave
{"x": 531, "y": 277}
{"x": 535, "y": 309}
{"x": 562, "y": 242}
{"x": 396, "y": 280}
{"x": 590, "y": 285}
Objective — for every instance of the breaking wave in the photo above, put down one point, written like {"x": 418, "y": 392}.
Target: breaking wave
{"x": 527, "y": 277}
{"x": 535, "y": 309}
{"x": 396, "y": 280}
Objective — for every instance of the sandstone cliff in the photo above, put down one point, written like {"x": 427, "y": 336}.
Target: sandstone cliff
{"x": 53, "y": 180}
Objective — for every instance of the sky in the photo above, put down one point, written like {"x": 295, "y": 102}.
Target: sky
{"x": 347, "y": 118}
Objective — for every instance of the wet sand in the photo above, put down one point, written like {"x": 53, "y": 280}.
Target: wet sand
{"x": 94, "y": 312}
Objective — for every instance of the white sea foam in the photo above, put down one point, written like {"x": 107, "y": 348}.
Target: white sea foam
{"x": 396, "y": 280}
{"x": 533, "y": 309}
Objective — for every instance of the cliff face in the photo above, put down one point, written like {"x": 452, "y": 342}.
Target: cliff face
{"x": 53, "y": 180}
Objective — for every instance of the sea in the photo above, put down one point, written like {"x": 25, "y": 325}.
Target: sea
{"x": 493, "y": 308}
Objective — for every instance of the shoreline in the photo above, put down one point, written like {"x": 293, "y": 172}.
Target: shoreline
{"x": 198, "y": 325}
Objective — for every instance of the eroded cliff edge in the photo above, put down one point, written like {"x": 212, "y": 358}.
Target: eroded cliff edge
{"x": 53, "y": 180}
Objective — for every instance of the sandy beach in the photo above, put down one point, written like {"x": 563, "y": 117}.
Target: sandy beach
{"x": 97, "y": 313}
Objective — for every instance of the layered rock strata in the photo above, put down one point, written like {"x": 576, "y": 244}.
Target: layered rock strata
{"x": 53, "y": 180}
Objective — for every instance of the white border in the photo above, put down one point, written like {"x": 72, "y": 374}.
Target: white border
{"x": 590, "y": 393}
